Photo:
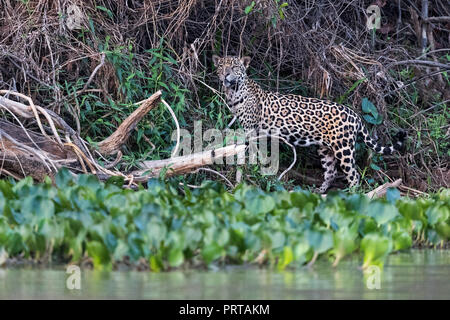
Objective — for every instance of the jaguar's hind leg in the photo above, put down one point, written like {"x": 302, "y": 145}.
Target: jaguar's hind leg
{"x": 346, "y": 158}
{"x": 351, "y": 172}
{"x": 328, "y": 162}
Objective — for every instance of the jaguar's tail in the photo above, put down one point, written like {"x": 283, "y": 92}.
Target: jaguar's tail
{"x": 398, "y": 141}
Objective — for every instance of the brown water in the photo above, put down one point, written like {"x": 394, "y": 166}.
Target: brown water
{"x": 419, "y": 274}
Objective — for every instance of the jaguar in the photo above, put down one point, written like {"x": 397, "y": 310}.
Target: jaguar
{"x": 303, "y": 121}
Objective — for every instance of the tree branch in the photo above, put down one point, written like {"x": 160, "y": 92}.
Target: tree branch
{"x": 112, "y": 144}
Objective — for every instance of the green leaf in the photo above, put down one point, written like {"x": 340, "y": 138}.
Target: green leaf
{"x": 76, "y": 247}
{"x": 443, "y": 230}
{"x": 249, "y": 8}
{"x": 382, "y": 212}
{"x": 6, "y": 189}
{"x": 2, "y": 203}
{"x": 23, "y": 184}
{"x": 373, "y": 120}
{"x": 121, "y": 250}
{"x": 99, "y": 254}
{"x": 117, "y": 181}
{"x": 300, "y": 251}
{"x": 110, "y": 242}
{"x": 369, "y": 107}
{"x": 89, "y": 181}
{"x": 176, "y": 257}
{"x": 402, "y": 240}
{"x": 110, "y": 15}
{"x": 375, "y": 248}
{"x": 168, "y": 225}
{"x": 155, "y": 186}
{"x": 260, "y": 204}
{"x": 277, "y": 239}
{"x": 437, "y": 214}
{"x": 352, "y": 88}
{"x": 14, "y": 243}
{"x": 287, "y": 256}
{"x": 344, "y": 242}
{"x": 410, "y": 209}
{"x": 63, "y": 178}
{"x": 212, "y": 252}
{"x": 34, "y": 208}
{"x": 320, "y": 240}
{"x": 223, "y": 237}
{"x": 392, "y": 195}
{"x": 156, "y": 263}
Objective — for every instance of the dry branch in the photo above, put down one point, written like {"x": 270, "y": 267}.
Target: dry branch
{"x": 38, "y": 154}
{"x": 112, "y": 144}
{"x": 438, "y": 19}
{"x": 25, "y": 153}
{"x": 184, "y": 164}
{"x": 102, "y": 62}
{"x": 175, "y": 150}
{"x": 421, "y": 62}
{"x": 28, "y": 112}
{"x": 381, "y": 190}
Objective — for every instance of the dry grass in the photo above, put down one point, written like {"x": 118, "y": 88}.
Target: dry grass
{"x": 323, "y": 43}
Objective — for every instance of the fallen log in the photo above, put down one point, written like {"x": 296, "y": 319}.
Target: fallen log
{"x": 112, "y": 144}
{"x": 40, "y": 153}
{"x": 185, "y": 164}
{"x": 35, "y": 111}
{"x": 25, "y": 152}
{"x": 381, "y": 190}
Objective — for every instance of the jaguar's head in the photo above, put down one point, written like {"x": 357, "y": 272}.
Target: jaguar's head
{"x": 231, "y": 70}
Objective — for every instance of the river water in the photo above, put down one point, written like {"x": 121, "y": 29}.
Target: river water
{"x": 418, "y": 274}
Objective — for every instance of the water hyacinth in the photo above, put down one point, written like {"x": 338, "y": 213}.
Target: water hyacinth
{"x": 169, "y": 226}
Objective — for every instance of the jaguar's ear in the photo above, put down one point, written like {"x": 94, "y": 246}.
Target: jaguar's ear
{"x": 246, "y": 61}
{"x": 216, "y": 60}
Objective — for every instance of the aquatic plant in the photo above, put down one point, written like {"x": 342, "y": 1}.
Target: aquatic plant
{"x": 168, "y": 225}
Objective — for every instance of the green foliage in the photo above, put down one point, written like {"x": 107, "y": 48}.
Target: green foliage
{"x": 274, "y": 17}
{"x": 136, "y": 80}
{"x": 375, "y": 247}
{"x": 438, "y": 130}
{"x": 250, "y": 7}
{"x": 108, "y": 12}
{"x": 281, "y": 9}
{"x": 168, "y": 227}
{"x": 371, "y": 113}
{"x": 350, "y": 90}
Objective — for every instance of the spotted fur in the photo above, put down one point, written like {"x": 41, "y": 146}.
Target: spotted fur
{"x": 303, "y": 121}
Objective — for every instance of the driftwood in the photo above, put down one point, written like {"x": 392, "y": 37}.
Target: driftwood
{"x": 26, "y": 153}
{"x": 112, "y": 144}
{"x": 184, "y": 164}
{"x": 381, "y": 190}
{"x": 41, "y": 153}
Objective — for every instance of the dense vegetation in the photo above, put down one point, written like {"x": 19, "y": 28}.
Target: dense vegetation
{"x": 50, "y": 49}
{"x": 168, "y": 225}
